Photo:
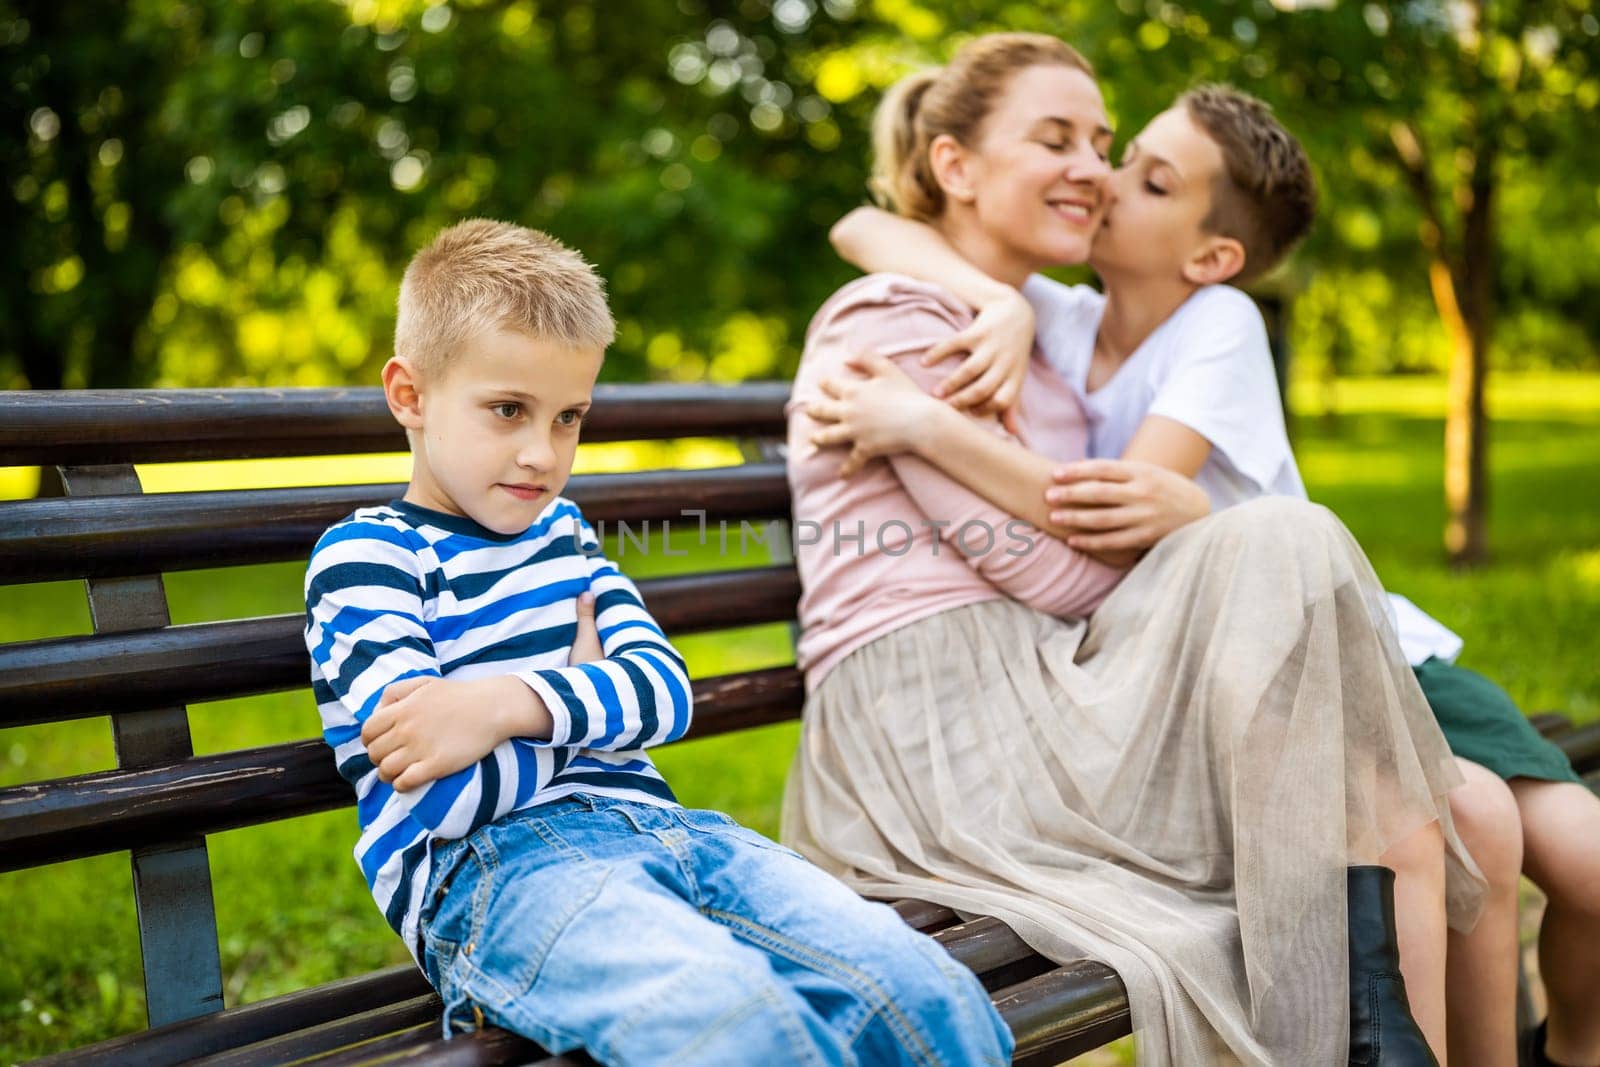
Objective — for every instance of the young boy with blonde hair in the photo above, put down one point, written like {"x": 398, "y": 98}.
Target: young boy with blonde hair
{"x": 488, "y": 682}
{"x": 1172, "y": 368}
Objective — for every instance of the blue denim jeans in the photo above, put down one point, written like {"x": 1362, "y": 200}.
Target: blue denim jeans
{"x": 650, "y": 935}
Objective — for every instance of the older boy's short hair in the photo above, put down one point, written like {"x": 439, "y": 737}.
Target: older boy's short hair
{"x": 481, "y": 275}
{"x": 1266, "y": 197}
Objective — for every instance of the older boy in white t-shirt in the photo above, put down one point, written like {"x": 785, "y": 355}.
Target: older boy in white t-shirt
{"x": 1208, "y": 367}
{"x": 1174, "y": 372}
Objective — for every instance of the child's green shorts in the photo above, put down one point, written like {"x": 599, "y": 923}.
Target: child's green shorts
{"x": 1484, "y": 725}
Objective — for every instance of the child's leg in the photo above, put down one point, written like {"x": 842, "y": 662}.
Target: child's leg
{"x": 1419, "y": 913}
{"x": 1561, "y": 828}
{"x": 574, "y": 928}
{"x": 1481, "y": 979}
{"x": 892, "y": 992}
{"x": 1561, "y": 840}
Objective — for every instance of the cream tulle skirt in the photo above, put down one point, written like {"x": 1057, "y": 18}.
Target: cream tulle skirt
{"x": 1174, "y": 788}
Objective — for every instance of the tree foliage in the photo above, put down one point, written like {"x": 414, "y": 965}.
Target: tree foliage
{"x": 207, "y": 192}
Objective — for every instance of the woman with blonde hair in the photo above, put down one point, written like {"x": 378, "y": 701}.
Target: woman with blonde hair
{"x": 1182, "y": 784}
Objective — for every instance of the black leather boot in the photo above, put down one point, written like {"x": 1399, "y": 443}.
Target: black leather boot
{"x": 1382, "y": 1031}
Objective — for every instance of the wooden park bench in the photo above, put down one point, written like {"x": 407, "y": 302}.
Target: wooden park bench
{"x": 142, "y": 673}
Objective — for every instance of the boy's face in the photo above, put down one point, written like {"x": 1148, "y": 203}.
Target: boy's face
{"x": 1160, "y": 194}
{"x": 495, "y": 431}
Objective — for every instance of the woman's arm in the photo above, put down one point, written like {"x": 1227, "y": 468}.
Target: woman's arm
{"x": 997, "y": 343}
{"x": 886, "y": 414}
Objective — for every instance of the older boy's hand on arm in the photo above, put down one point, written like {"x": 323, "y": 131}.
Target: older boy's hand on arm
{"x": 1120, "y": 508}
{"x": 989, "y": 380}
{"x": 998, "y": 344}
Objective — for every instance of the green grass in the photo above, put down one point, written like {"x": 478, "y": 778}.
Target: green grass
{"x": 293, "y": 910}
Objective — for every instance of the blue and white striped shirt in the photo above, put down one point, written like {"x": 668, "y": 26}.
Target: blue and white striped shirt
{"x": 401, "y": 591}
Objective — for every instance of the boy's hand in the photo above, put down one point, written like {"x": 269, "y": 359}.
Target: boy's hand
{"x": 426, "y": 728}
{"x": 586, "y": 647}
{"x": 883, "y": 413}
{"x": 1000, "y": 342}
{"x": 1122, "y": 507}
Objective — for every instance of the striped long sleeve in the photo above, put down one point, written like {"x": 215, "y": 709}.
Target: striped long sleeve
{"x": 637, "y": 696}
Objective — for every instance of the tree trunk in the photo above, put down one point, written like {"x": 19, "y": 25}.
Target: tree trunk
{"x": 1465, "y": 461}
{"x": 1462, "y": 280}
{"x": 1465, "y": 298}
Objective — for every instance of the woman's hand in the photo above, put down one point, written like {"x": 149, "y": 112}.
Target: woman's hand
{"x": 882, "y": 413}
{"x": 999, "y": 343}
{"x": 1122, "y": 506}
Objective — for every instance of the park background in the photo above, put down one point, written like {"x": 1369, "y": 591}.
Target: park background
{"x": 212, "y": 194}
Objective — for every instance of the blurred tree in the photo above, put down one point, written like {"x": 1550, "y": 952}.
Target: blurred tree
{"x": 216, "y": 192}
{"x": 85, "y": 188}
{"x": 1451, "y": 101}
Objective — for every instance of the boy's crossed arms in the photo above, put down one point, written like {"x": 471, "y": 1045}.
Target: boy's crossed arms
{"x": 463, "y": 738}
{"x": 426, "y": 727}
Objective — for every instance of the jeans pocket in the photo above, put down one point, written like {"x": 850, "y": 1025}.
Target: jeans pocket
{"x": 521, "y": 923}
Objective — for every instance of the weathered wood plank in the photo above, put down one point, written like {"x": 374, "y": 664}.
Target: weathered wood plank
{"x": 110, "y": 811}
{"x": 147, "y": 425}
{"x": 51, "y": 540}
{"x": 82, "y": 677}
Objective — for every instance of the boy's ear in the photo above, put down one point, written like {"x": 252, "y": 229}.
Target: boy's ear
{"x": 1216, "y": 260}
{"x": 402, "y": 389}
{"x": 951, "y": 168}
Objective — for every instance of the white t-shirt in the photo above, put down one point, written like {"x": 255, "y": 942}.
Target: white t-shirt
{"x": 1209, "y": 367}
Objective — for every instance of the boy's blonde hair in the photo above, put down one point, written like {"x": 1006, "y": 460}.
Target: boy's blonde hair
{"x": 481, "y": 275}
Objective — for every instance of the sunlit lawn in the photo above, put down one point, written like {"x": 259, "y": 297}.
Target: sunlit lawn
{"x": 293, "y": 909}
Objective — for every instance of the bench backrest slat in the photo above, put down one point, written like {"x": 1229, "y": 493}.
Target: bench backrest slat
{"x": 51, "y": 540}
{"x": 152, "y": 426}
{"x": 65, "y": 678}
{"x": 109, "y": 811}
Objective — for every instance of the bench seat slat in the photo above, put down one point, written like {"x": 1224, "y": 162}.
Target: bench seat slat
{"x": 1064, "y": 1012}
{"x": 1060, "y": 1013}
{"x": 1550, "y": 722}
{"x": 209, "y": 1034}
{"x": 393, "y": 1014}
{"x": 259, "y": 1023}
{"x": 111, "y": 811}
{"x": 148, "y": 425}
{"x": 489, "y": 1047}
{"x": 66, "y": 678}
{"x": 421, "y": 1011}
{"x": 1582, "y": 746}
{"x": 52, "y": 540}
